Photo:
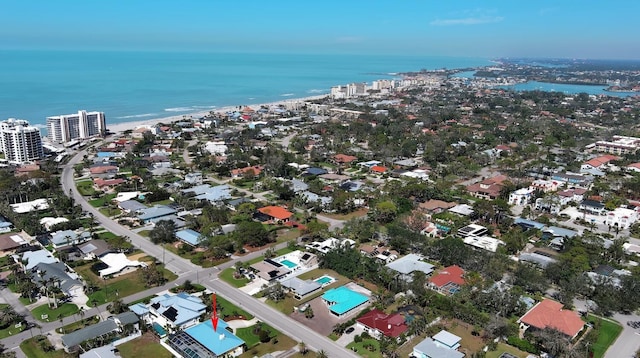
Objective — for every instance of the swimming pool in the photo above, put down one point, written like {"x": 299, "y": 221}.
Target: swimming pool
{"x": 288, "y": 263}
{"x": 325, "y": 280}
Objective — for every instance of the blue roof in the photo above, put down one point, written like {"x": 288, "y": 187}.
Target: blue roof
{"x": 139, "y": 308}
{"x": 343, "y": 299}
{"x": 59, "y": 238}
{"x": 189, "y": 236}
{"x": 316, "y": 171}
{"x": 155, "y": 212}
{"x": 529, "y": 223}
{"x": 219, "y": 342}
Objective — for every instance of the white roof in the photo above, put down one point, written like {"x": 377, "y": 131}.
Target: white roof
{"x": 48, "y": 222}
{"x": 483, "y": 242}
{"x": 117, "y": 262}
{"x": 34, "y": 258}
{"x": 38, "y": 204}
{"x": 410, "y": 263}
{"x": 447, "y": 338}
{"x": 127, "y": 195}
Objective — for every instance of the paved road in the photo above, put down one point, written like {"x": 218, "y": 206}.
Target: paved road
{"x": 628, "y": 342}
{"x": 207, "y": 277}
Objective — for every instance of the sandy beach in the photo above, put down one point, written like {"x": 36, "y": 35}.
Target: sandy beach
{"x": 124, "y": 126}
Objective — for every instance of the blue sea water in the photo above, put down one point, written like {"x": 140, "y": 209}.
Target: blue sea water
{"x": 133, "y": 86}
{"x": 567, "y": 88}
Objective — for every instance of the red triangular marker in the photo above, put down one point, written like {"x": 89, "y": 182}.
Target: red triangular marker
{"x": 214, "y": 317}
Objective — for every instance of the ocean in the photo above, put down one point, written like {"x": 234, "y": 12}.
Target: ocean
{"x": 134, "y": 86}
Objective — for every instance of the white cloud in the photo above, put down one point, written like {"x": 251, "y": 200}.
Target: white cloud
{"x": 467, "y": 21}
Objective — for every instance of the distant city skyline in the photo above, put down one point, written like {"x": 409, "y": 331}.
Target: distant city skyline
{"x": 568, "y": 29}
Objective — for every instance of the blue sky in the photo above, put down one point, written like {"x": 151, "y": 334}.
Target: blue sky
{"x": 540, "y": 28}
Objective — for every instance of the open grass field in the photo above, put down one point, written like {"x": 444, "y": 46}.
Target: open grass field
{"x": 63, "y": 310}
{"x": 11, "y": 330}
{"x": 145, "y": 346}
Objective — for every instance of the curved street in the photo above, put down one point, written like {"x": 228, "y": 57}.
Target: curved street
{"x": 206, "y": 277}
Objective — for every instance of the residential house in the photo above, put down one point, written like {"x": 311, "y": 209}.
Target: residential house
{"x": 188, "y": 236}
{"x": 172, "y": 312}
{"x": 193, "y": 178}
{"x": 430, "y": 230}
{"x": 5, "y": 225}
{"x": 30, "y": 259}
{"x": 102, "y": 184}
{"x": 270, "y": 270}
{"x": 255, "y": 170}
{"x": 300, "y": 288}
{"x": 103, "y": 171}
{"x": 472, "y": 230}
{"x": 448, "y": 281}
{"x": 116, "y": 264}
{"x": 343, "y": 159}
{"x": 408, "y": 264}
{"x": 573, "y": 179}
{"x": 203, "y": 341}
{"x": 378, "y": 169}
{"x": 551, "y": 314}
{"x": 592, "y": 207}
{"x": 428, "y": 348}
{"x": 11, "y": 241}
{"x": 621, "y": 218}
{"x": 545, "y": 186}
{"x": 155, "y": 213}
{"x": 488, "y": 189}
{"x": 597, "y": 166}
{"x": 633, "y": 167}
{"x": 521, "y": 196}
{"x": 69, "y": 237}
{"x": 436, "y": 206}
{"x": 131, "y": 206}
{"x": 94, "y": 249}
{"x": 557, "y": 236}
{"x": 483, "y": 242}
{"x": 111, "y": 325}
{"x": 57, "y": 272}
{"x": 378, "y": 324}
{"x": 276, "y": 214}
{"x": 447, "y": 339}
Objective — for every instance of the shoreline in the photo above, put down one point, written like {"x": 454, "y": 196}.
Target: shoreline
{"x": 121, "y": 127}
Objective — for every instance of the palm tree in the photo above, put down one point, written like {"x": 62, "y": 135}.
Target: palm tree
{"x": 322, "y": 354}
{"x": 302, "y": 347}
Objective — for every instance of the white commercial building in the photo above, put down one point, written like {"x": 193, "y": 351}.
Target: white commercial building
{"x": 81, "y": 125}
{"x": 20, "y": 142}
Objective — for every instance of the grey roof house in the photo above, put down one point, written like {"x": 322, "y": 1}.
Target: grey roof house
{"x": 112, "y": 324}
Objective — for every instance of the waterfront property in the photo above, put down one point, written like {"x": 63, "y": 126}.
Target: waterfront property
{"x": 342, "y": 300}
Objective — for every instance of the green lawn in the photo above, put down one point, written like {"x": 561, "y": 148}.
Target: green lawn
{"x": 11, "y": 330}
{"x": 374, "y": 352}
{"x": 108, "y": 212}
{"x": 144, "y": 233}
{"x": 64, "y": 310}
{"x": 113, "y": 288}
{"x": 85, "y": 187}
{"x": 609, "y": 331}
{"x": 78, "y": 325}
{"x": 228, "y": 308}
{"x": 227, "y": 276}
{"x": 505, "y": 348}
{"x": 107, "y": 235}
{"x": 145, "y": 346}
{"x": 96, "y": 203}
{"x": 32, "y": 349}
{"x": 281, "y": 343}
{"x": 251, "y": 339}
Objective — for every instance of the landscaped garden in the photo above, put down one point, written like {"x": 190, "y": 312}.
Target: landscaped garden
{"x": 368, "y": 348}
{"x": 272, "y": 340}
{"x": 608, "y": 331}
{"x": 40, "y": 347}
{"x": 227, "y": 275}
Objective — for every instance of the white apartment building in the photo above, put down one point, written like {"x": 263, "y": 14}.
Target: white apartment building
{"x": 81, "y": 125}
{"x": 20, "y": 142}
{"x": 623, "y": 218}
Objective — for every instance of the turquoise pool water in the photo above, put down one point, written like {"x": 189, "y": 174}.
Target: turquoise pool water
{"x": 288, "y": 263}
{"x": 324, "y": 279}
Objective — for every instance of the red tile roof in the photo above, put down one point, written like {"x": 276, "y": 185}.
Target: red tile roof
{"x": 389, "y": 325}
{"x": 343, "y": 158}
{"x": 451, "y": 274}
{"x": 257, "y": 169}
{"x": 378, "y": 169}
{"x": 277, "y": 212}
{"x": 103, "y": 169}
{"x": 549, "y": 313}
{"x": 601, "y": 160}
{"x": 109, "y": 182}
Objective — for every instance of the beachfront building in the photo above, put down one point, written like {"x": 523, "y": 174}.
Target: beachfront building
{"x": 81, "y": 125}
{"x": 20, "y": 142}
